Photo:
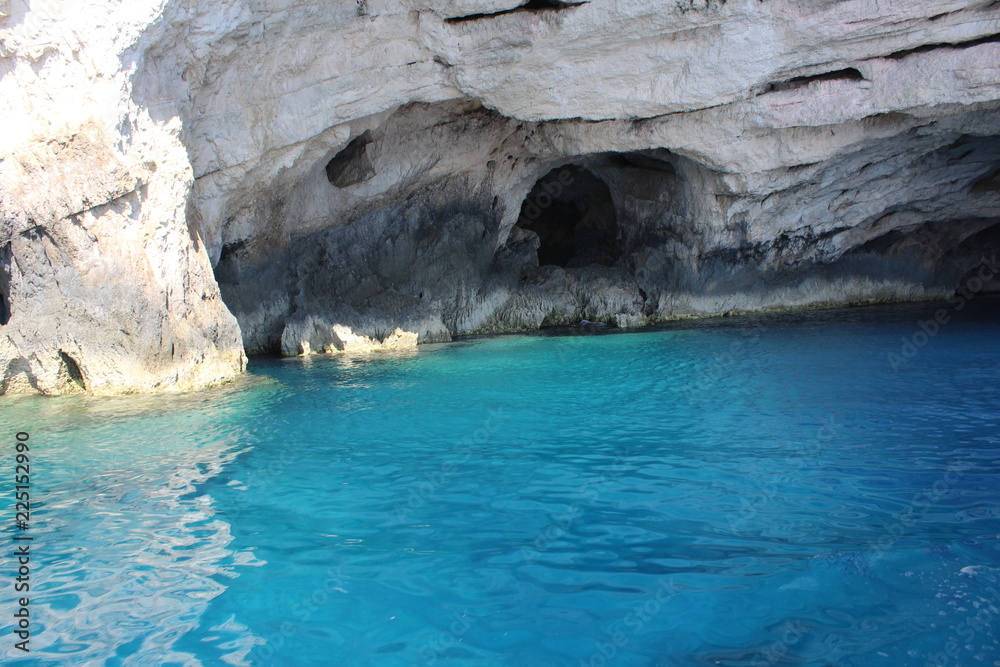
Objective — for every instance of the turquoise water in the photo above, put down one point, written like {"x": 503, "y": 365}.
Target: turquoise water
{"x": 746, "y": 491}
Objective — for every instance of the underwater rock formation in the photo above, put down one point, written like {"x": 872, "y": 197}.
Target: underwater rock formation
{"x": 185, "y": 180}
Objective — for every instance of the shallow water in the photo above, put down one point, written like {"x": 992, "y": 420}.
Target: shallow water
{"x": 746, "y": 491}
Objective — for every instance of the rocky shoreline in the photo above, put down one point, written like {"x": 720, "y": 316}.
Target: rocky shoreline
{"x": 193, "y": 182}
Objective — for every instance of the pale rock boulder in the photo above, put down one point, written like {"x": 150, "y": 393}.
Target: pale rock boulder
{"x": 314, "y": 335}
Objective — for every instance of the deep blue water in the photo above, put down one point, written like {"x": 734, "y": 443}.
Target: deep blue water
{"x": 744, "y": 491}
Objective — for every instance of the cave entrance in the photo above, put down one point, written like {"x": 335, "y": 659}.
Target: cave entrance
{"x": 5, "y": 261}
{"x": 982, "y": 252}
{"x": 573, "y": 214}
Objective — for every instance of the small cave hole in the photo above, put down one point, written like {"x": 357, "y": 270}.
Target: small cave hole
{"x": 572, "y": 212}
{"x": 72, "y": 369}
{"x": 352, "y": 165}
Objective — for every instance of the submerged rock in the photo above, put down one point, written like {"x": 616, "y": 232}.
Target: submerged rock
{"x": 183, "y": 181}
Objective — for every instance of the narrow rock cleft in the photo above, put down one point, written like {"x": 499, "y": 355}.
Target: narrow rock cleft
{"x": 530, "y": 6}
{"x": 849, "y": 74}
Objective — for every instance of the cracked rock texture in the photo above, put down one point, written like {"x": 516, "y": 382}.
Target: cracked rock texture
{"x": 183, "y": 180}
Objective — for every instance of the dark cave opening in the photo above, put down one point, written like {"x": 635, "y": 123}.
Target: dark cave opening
{"x": 352, "y": 165}
{"x": 989, "y": 183}
{"x": 72, "y": 370}
{"x": 573, "y": 214}
{"x": 984, "y": 250}
{"x": 5, "y": 260}
{"x": 940, "y": 254}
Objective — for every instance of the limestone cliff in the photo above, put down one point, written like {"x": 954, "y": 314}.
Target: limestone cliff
{"x": 183, "y": 180}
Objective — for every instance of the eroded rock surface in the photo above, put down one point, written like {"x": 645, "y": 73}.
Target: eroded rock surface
{"x": 365, "y": 173}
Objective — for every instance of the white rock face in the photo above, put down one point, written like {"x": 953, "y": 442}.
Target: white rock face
{"x": 104, "y": 285}
{"x": 387, "y": 169}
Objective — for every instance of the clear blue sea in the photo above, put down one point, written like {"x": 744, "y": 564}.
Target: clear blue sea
{"x": 772, "y": 490}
